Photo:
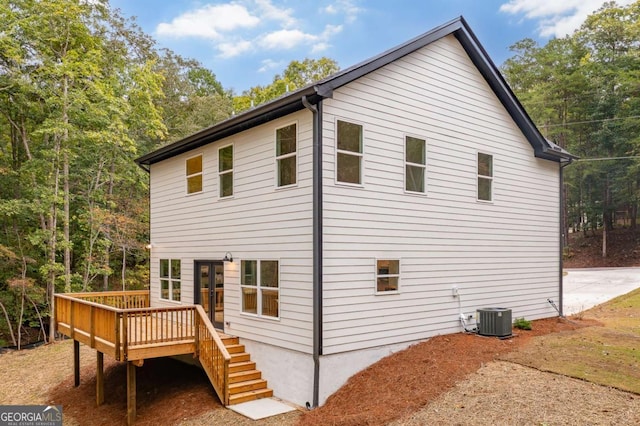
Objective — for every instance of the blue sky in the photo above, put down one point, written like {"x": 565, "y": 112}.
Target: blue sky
{"x": 246, "y": 42}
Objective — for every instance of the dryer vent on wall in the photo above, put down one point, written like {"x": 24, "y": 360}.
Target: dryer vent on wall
{"x": 494, "y": 322}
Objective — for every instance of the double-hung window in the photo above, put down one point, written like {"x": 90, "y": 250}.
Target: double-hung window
{"x": 387, "y": 275}
{"x": 485, "y": 177}
{"x": 170, "y": 279}
{"x": 225, "y": 170}
{"x": 415, "y": 159}
{"x": 349, "y": 153}
{"x": 286, "y": 155}
{"x": 260, "y": 286}
{"x": 194, "y": 174}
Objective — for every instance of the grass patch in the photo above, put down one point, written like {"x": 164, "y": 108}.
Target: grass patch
{"x": 607, "y": 355}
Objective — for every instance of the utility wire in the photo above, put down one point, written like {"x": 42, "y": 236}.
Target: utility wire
{"x": 608, "y": 158}
{"x": 589, "y": 121}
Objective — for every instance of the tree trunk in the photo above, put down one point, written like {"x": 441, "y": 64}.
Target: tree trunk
{"x": 6, "y": 316}
{"x": 65, "y": 179}
{"x": 124, "y": 265}
{"x": 52, "y": 226}
{"x": 606, "y": 217}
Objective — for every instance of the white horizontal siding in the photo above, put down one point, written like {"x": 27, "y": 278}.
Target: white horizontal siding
{"x": 503, "y": 253}
{"x": 258, "y": 222}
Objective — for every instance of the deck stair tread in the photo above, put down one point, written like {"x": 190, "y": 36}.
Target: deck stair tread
{"x": 245, "y": 381}
{"x": 250, "y": 396}
{"x": 241, "y": 376}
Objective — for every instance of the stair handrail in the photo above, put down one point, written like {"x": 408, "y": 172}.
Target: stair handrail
{"x": 213, "y": 354}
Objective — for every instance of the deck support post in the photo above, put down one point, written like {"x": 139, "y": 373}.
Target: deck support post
{"x": 131, "y": 393}
{"x": 76, "y": 363}
{"x": 99, "y": 378}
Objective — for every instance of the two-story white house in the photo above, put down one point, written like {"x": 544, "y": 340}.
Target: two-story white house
{"x": 328, "y": 227}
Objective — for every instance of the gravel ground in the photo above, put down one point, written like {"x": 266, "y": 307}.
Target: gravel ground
{"x": 503, "y": 393}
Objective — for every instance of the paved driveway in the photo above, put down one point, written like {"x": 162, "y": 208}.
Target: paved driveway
{"x": 585, "y": 288}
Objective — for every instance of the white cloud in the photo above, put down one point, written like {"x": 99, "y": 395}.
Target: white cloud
{"x": 348, "y": 8}
{"x": 270, "y": 64}
{"x": 286, "y": 39}
{"x": 270, "y": 12}
{"x": 320, "y": 47}
{"x": 238, "y": 27}
{"x": 235, "y": 48}
{"x": 209, "y": 22}
{"x": 555, "y": 17}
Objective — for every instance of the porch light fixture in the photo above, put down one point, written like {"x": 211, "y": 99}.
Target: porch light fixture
{"x": 228, "y": 257}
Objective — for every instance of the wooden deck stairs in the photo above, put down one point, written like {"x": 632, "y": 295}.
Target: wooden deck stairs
{"x": 123, "y": 326}
{"x": 245, "y": 382}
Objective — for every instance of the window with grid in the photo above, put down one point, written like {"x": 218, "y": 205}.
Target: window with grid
{"x": 286, "y": 155}
{"x": 225, "y": 170}
{"x": 260, "y": 287}
{"x": 485, "y": 177}
{"x": 387, "y": 275}
{"x": 194, "y": 174}
{"x": 415, "y": 159}
{"x": 170, "y": 279}
{"x": 349, "y": 153}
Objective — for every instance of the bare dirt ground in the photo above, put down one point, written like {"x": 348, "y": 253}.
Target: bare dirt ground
{"x": 405, "y": 387}
{"x": 585, "y": 250}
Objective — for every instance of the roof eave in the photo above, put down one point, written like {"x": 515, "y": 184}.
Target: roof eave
{"x": 256, "y": 116}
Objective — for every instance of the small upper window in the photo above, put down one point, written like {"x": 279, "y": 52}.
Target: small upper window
{"x": 349, "y": 153}
{"x": 387, "y": 275}
{"x": 225, "y": 170}
{"x": 415, "y": 164}
{"x": 485, "y": 177}
{"x": 194, "y": 174}
{"x": 286, "y": 155}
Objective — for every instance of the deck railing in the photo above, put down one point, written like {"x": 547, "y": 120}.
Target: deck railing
{"x": 122, "y": 325}
{"x": 213, "y": 355}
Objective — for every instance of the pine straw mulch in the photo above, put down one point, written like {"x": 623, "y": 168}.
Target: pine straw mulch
{"x": 403, "y": 383}
{"x": 169, "y": 392}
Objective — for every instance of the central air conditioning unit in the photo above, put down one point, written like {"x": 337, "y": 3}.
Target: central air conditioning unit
{"x": 494, "y": 322}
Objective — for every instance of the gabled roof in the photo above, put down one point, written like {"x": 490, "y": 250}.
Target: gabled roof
{"x": 293, "y": 101}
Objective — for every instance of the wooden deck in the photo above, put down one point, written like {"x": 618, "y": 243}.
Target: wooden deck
{"x": 123, "y": 326}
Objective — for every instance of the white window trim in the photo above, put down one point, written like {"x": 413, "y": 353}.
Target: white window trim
{"x": 490, "y": 178}
{"x": 232, "y": 171}
{"x": 375, "y": 273}
{"x": 186, "y": 180}
{"x": 407, "y": 163}
{"x": 281, "y": 157}
{"x": 171, "y": 280}
{"x": 259, "y": 288}
{"x": 336, "y": 151}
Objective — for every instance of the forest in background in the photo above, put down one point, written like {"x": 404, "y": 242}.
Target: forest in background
{"x": 84, "y": 91}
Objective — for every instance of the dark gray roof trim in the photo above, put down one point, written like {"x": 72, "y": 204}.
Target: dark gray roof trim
{"x": 292, "y": 102}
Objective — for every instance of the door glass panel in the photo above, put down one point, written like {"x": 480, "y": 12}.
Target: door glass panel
{"x": 219, "y": 294}
{"x": 204, "y": 287}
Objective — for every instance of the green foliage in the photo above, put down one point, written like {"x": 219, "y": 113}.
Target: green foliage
{"x": 582, "y": 91}
{"x": 522, "y": 324}
{"x": 83, "y": 92}
{"x": 295, "y": 76}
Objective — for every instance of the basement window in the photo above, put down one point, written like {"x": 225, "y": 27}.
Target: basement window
{"x": 387, "y": 275}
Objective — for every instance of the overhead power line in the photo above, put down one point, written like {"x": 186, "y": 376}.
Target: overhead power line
{"x": 608, "y": 158}
{"x": 589, "y": 121}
